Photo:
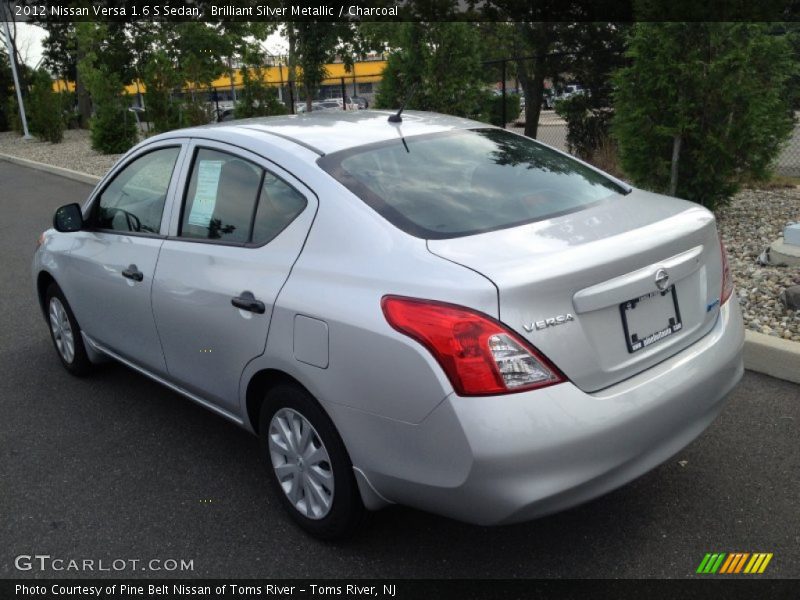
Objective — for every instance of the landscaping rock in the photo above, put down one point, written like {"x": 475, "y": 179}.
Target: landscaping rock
{"x": 750, "y": 223}
{"x": 790, "y": 297}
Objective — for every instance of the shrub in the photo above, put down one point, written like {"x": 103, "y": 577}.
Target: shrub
{"x": 588, "y": 127}
{"x": 45, "y": 108}
{"x": 194, "y": 112}
{"x": 14, "y": 122}
{"x": 69, "y": 110}
{"x": 441, "y": 63}
{"x": 160, "y": 78}
{"x": 494, "y": 109}
{"x": 258, "y": 101}
{"x": 702, "y": 107}
{"x": 113, "y": 127}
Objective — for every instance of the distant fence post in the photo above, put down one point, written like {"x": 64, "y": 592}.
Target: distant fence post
{"x": 503, "y": 109}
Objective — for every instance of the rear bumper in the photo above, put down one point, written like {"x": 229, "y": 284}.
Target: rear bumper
{"x": 511, "y": 458}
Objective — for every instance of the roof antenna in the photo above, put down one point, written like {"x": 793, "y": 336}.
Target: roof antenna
{"x": 397, "y": 118}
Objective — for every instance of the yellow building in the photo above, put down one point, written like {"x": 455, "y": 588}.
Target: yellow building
{"x": 360, "y": 80}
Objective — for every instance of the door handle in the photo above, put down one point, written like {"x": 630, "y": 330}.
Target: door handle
{"x": 246, "y": 301}
{"x": 133, "y": 272}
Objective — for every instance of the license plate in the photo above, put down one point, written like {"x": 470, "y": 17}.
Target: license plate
{"x": 650, "y": 318}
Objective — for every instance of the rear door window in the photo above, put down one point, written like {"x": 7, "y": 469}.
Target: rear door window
{"x": 231, "y": 199}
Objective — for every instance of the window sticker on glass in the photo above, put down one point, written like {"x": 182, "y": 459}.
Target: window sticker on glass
{"x": 205, "y": 196}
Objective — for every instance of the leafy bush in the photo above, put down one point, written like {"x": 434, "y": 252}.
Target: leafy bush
{"x": 45, "y": 108}
{"x": 702, "y": 107}
{"x": 256, "y": 99}
{"x": 494, "y": 109}
{"x": 194, "y": 112}
{"x": 14, "y": 122}
{"x": 588, "y": 127}
{"x": 162, "y": 111}
{"x": 112, "y": 127}
{"x": 441, "y": 62}
{"x": 265, "y": 103}
{"x": 160, "y": 78}
{"x": 69, "y": 110}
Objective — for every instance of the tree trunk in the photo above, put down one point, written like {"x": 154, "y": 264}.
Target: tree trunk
{"x": 673, "y": 171}
{"x": 81, "y": 93}
{"x": 291, "y": 63}
{"x": 533, "y": 101}
{"x": 533, "y": 82}
{"x": 231, "y": 75}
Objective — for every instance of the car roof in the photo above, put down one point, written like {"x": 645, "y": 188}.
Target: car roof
{"x": 325, "y": 132}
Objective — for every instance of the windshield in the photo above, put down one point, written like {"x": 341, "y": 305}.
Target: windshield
{"x": 465, "y": 182}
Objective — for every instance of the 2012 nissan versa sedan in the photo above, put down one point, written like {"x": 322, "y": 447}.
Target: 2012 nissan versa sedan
{"x": 426, "y": 310}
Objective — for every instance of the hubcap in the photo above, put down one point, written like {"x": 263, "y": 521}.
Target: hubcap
{"x": 301, "y": 463}
{"x": 62, "y": 330}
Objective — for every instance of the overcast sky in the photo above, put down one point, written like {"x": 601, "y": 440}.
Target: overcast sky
{"x": 29, "y": 43}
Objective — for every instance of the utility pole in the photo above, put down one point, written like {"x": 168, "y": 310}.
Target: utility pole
{"x": 12, "y": 59}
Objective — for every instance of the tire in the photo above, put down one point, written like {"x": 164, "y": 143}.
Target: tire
{"x": 65, "y": 333}
{"x": 320, "y": 472}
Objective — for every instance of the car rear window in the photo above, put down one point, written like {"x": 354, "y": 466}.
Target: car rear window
{"x": 465, "y": 182}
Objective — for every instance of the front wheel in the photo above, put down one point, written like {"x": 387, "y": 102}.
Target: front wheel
{"x": 65, "y": 333}
{"x": 311, "y": 470}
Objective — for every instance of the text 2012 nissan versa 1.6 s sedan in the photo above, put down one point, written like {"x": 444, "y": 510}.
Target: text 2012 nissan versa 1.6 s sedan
{"x": 431, "y": 312}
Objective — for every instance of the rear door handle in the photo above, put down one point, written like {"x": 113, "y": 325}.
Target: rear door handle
{"x": 133, "y": 272}
{"x": 246, "y": 301}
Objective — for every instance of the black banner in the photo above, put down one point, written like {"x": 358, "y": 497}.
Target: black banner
{"x": 252, "y": 589}
{"x": 401, "y": 10}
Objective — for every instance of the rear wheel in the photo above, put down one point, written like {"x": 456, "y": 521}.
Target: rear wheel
{"x": 65, "y": 333}
{"x": 311, "y": 470}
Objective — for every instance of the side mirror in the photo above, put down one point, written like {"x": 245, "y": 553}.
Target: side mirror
{"x": 68, "y": 218}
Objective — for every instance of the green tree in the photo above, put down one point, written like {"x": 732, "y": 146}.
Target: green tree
{"x": 160, "y": 78}
{"x": 112, "y": 47}
{"x": 702, "y": 107}
{"x": 113, "y": 128}
{"x": 45, "y": 109}
{"x": 256, "y": 98}
{"x": 314, "y": 44}
{"x": 200, "y": 54}
{"x": 441, "y": 62}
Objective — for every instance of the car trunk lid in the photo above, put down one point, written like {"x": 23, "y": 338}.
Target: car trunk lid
{"x": 582, "y": 287}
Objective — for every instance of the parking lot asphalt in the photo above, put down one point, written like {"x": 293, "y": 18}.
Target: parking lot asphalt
{"x": 115, "y": 466}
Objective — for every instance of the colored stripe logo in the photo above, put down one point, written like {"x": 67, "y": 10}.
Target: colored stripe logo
{"x": 734, "y": 563}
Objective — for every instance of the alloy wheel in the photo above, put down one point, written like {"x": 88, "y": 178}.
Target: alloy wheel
{"x": 301, "y": 463}
{"x": 62, "y": 330}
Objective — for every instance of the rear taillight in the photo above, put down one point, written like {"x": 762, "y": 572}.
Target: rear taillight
{"x": 480, "y": 356}
{"x": 727, "y": 278}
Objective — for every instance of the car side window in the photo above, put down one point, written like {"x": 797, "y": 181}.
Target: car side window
{"x": 231, "y": 199}
{"x": 134, "y": 200}
{"x": 278, "y": 205}
{"x": 221, "y": 197}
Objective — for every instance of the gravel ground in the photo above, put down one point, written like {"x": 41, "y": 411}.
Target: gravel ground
{"x": 753, "y": 220}
{"x": 74, "y": 152}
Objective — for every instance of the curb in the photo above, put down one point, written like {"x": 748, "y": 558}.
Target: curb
{"x": 61, "y": 171}
{"x": 766, "y": 354}
{"x": 772, "y": 356}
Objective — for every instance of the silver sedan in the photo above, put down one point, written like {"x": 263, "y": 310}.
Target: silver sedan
{"x": 413, "y": 309}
